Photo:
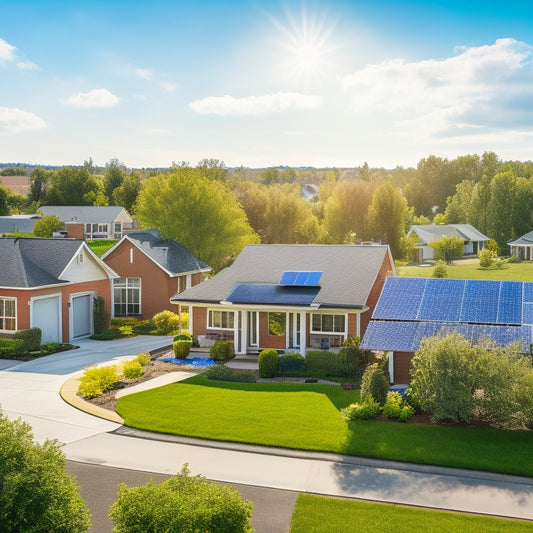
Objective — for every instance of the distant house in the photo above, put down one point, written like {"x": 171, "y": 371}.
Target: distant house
{"x": 151, "y": 270}
{"x": 51, "y": 284}
{"x": 473, "y": 239}
{"x": 410, "y": 309}
{"x": 523, "y": 247}
{"x": 18, "y": 223}
{"x": 18, "y": 184}
{"x": 92, "y": 222}
{"x": 289, "y": 297}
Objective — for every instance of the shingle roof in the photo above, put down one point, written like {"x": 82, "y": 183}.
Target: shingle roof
{"x": 526, "y": 240}
{"x": 28, "y": 262}
{"x": 434, "y": 232}
{"x": 83, "y": 213}
{"x": 170, "y": 255}
{"x": 349, "y": 272}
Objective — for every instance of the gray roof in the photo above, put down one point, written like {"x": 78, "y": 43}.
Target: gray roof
{"x": 83, "y": 213}
{"x": 349, "y": 272}
{"x": 169, "y": 255}
{"x": 29, "y": 262}
{"x": 17, "y": 223}
{"x": 434, "y": 232}
{"x": 525, "y": 240}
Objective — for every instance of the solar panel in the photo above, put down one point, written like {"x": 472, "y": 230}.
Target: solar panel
{"x": 300, "y": 278}
{"x": 385, "y": 335}
{"x": 314, "y": 278}
{"x": 252, "y": 293}
{"x": 442, "y": 300}
{"x": 527, "y": 313}
{"x": 528, "y": 292}
{"x": 510, "y": 302}
{"x": 480, "y": 302}
{"x": 400, "y": 298}
{"x": 288, "y": 278}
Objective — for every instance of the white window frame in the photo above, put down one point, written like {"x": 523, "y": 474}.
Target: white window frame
{"x": 210, "y": 313}
{"x": 3, "y": 317}
{"x": 323, "y": 331}
{"x": 127, "y": 287}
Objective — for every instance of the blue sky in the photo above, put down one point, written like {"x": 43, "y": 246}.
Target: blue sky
{"x": 260, "y": 83}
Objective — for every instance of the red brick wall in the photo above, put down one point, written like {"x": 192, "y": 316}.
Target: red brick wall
{"x": 402, "y": 365}
{"x": 75, "y": 230}
{"x": 199, "y": 322}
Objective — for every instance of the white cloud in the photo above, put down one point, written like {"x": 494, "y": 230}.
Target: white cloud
{"x": 465, "y": 90}
{"x": 14, "y": 120}
{"x": 255, "y": 105}
{"x": 27, "y": 65}
{"x": 168, "y": 86}
{"x": 94, "y": 98}
{"x": 144, "y": 73}
{"x": 7, "y": 51}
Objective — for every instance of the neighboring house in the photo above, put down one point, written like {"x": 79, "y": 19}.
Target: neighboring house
{"x": 51, "y": 284}
{"x": 90, "y": 221}
{"x": 289, "y": 297}
{"x": 18, "y": 184}
{"x": 151, "y": 270}
{"x": 523, "y": 247}
{"x": 21, "y": 223}
{"x": 473, "y": 239}
{"x": 412, "y": 308}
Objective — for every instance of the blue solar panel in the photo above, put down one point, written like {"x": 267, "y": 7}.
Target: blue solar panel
{"x": 528, "y": 292}
{"x": 442, "y": 300}
{"x": 397, "y": 336}
{"x": 527, "y": 313}
{"x": 480, "y": 302}
{"x": 510, "y": 302}
{"x": 503, "y": 335}
{"x": 288, "y": 278}
{"x": 300, "y": 278}
{"x": 400, "y": 298}
{"x": 252, "y": 293}
{"x": 313, "y": 279}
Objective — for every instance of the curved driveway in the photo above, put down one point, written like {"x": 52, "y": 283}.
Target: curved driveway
{"x": 31, "y": 391}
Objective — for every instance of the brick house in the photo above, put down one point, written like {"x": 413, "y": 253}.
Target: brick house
{"x": 151, "y": 270}
{"x": 289, "y": 297}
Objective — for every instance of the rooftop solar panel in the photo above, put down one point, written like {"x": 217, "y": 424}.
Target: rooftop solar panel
{"x": 528, "y": 292}
{"x": 527, "y": 313}
{"x": 400, "y": 298}
{"x": 302, "y": 278}
{"x": 252, "y": 293}
{"x": 510, "y": 302}
{"x": 480, "y": 302}
{"x": 442, "y": 300}
{"x": 288, "y": 278}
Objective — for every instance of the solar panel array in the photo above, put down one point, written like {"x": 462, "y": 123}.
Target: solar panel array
{"x": 257, "y": 293}
{"x": 456, "y": 300}
{"x": 300, "y": 278}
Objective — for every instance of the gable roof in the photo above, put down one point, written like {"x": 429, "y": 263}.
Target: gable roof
{"x": 525, "y": 240}
{"x": 349, "y": 273}
{"x": 433, "y": 232}
{"x": 171, "y": 256}
{"x": 84, "y": 213}
{"x": 32, "y": 262}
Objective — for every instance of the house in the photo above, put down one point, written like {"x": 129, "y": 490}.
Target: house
{"x": 289, "y": 297}
{"x": 51, "y": 284}
{"x": 18, "y": 223}
{"x": 523, "y": 247}
{"x": 151, "y": 270}
{"x": 92, "y": 221}
{"x": 412, "y": 308}
{"x": 473, "y": 239}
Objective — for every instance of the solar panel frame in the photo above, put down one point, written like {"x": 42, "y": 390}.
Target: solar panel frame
{"x": 288, "y": 277}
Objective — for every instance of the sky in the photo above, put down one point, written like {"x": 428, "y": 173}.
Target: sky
{"x": 264, "y": 83}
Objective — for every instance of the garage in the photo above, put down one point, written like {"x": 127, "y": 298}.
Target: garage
{"x": 46, "y": 314}
{"x": 81, "y": 312}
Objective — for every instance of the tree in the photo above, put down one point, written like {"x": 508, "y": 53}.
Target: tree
{"x": 37, "y": 494}
{"x": 385, "y": 216}
{"x": 113, "y": 177}
{"x": 448, "y": 248}
{"x": 74, "y": 186}
{"x": 270, "y": 176}
{"x": 46, "y": 226}
{"x": 13, "y": 171}
{"x": 4, "y": 208}
{"x": 126, "y": 194}
{"x": 39, "y": 180}
{"x": 213, "y": 169}
{"x": 181, "y": 504}
{"x": 200, "y": 213}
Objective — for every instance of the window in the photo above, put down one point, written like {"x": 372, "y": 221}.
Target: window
{"x": 117, "y": 230}
{"x": 127, "y": 296}
{"x": 328, "y": 323}
{"x": 221, "y": 319}
{"x": 81, "y": 257}
{"x": 8, "y": 314}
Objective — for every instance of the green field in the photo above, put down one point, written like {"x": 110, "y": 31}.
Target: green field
{"x": 318, "y": 514}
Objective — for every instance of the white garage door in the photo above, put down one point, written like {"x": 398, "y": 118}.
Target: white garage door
{"x": 81, "y": 315}
{"x": 46, "y": 315}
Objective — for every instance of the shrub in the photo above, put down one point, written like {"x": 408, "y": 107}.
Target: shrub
{"x": 375, "y": 384}
{"x": 486, "y": 257}
{"x": 439, "y": 270}
{"x": 183, "y": 337}
{"x": 268, "y": 363}
{"x": 181, "y": 504}
{"x": 10, "y": 347}
{"x": 107, "y": 335}
{"x": 166, "y": 322}
{"x": 100, "y": 315}
{"x": 124, "y": 321}
{"x": 514, "y": 259}
{"x": 321, "y": 364}
{"x": 406, "y": 413}
{"x": 182, "y": 348}
{"x": 30, "y": 337}
{"x": 96, "y": 381}
{"x": 366, "y": 410}
{"x": 222, "y": 351}
{"x": 50, "y": 347}
{"x": 393, "y": 406}
{"x": 291, "y": 363}
{"x": 225, "y": 373}
{"x": 144, "y": 327}
{"x": 184, "y": 317}
{"x": 143, "y": 359}
{"x": 132, "y": 369}
{"x": 46, "y": 226}
{"x": 126, "y": 331}
{"x": 353, "y": 361}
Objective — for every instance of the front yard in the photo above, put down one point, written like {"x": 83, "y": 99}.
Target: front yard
{"x": 306, "y": 416}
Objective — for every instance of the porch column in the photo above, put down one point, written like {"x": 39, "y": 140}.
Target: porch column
{"x": 303, "y": 332}
{"x": 391, "y": 366}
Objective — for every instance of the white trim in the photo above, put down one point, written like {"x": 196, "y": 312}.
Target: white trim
{"x": 391, "y": 366}
{"x": 113, "y": 296}
{"x": 13, "y": 298}
{"x": 71, "y": 313}
{"x": 60, "y": 309}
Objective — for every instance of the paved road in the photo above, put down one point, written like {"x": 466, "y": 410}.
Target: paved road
{"x": 31, "y": 390}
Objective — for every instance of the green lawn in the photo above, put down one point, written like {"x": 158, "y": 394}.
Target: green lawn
{"x": 512, "y": 271}
{"x": 100, "y": 247}
{"x": 317, "y": 514}
{"x": 306, "y": 416}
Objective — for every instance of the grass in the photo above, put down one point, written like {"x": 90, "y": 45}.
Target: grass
{"x": 318, "y": 514}
{"x": 511, "y": 271}
{"x": 306, "y": 416}
{"x": 101, "y": 246}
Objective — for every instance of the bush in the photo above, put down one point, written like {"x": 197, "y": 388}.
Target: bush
{"x": 184, "y": 317}
{"x": 439, "y": 270}
{"x": 96, "y": 381}
{"x": 406, "y": 413}
{"x": 181, "y": 504}
{"x": 132, "y": 370}
{"x": 143, "y": 359}
{"x": 393, "y": 406}
{"x": 11, "y": 347}
{"x": 107, "y": 335}
{"x": 166, "y": 322}
{"x": 126, "y": 331}
{"x": 50, "y": 347}
{"x": 514, "y": 259}
{"x": 291, "y": 363}
{"x": 268, "y": 363}
{"x": 225, "y": 373}
{"x": 46, "y": 226}
{"x": 100, "y": 315}
{"x": 486, "y": 257}
{"x": 366, "y": 410}
{"x": 321, "y": 364}
{"x": 144, "y": 327}
{"x": 182, "y": 348}
{"x": 30, "y": 337}
{"x": 222, "y": 351}
{"x": 183, "y": 337}
{"x": 375, "y": 384}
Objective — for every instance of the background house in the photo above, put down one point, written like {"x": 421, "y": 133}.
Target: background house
{"x": 412, "y": 308}
{"x": 473, "y": 239}
{"x": 151, "y": 270}
{"x": 51, "y": 284}
{"x": 290, "y": 297}
{"x": 523, "y": 247}
{"x": 22, "y": 223}
{"x": 92, "y": 222}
